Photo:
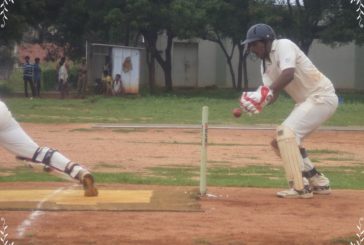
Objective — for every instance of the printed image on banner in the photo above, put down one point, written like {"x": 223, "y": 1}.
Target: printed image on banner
{"x": 126, "y": 62}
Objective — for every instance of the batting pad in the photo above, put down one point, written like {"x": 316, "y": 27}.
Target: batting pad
{"x": 72, "y": 199}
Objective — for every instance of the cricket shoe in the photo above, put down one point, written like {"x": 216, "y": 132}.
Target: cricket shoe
{"x": 88, "y": 183}
{"x": 292, "y": 193}
{"x": 320, "y": 184}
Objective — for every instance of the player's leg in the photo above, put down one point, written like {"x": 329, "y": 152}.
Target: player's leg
{"x": 287, "y": 147}
{"x": 319, "y": 183}
{"x": 304, "y": 119}
{"x": 14, "y": 139}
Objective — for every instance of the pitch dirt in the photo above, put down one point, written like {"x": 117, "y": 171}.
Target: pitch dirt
{"x": 230, "y": 215}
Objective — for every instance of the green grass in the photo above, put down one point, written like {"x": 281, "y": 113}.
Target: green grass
{"x": 251, "y": 176}
{"x": 23, "y": 174}
{"x": 181, "y": 107}
{"x": 184, "y": 107}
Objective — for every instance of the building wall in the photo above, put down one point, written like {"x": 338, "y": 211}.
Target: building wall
{"x": 359, "y": 70}
{"x": 207, "y": 64}
{"x": 338, "y": 64}
{"x": 342, "y": 64}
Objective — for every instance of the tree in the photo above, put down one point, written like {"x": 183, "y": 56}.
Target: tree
{"x": 226, "y": 22}
{"x": 174, "y": 18}
{"x": 331, "y": 21}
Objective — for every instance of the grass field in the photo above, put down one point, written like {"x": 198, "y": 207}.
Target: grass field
{"x": 263, "y": 176}
{"x": 157, "y": 159}
{"x": 183, "y": 107}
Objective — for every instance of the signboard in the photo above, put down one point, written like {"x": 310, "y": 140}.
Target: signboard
{"x": 126, "y": 62}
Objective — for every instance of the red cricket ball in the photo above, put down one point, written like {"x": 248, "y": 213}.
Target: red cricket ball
{"x": 237, "y": 112}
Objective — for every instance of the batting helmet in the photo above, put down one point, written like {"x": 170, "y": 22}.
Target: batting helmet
{"x": 259, "y": 32}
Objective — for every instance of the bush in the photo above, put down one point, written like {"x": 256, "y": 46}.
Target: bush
{"x": 49, "y": 80}
{"x": 72, "y": 77}
{"x": 5, "y": 90}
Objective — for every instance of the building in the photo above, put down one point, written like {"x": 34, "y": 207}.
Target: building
{"x": 201, "y": 63}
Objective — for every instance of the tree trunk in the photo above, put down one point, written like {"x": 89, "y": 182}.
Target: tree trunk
{"x": 150, "y": 43}
{"x": 166, "y": 63}
{"x": 305, "y": 45}
{"x": 228, "y": 59}
{"x": 151, "y": 70}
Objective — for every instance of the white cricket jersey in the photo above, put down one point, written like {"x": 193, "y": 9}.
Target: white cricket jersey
{"x": 307, "y": 81}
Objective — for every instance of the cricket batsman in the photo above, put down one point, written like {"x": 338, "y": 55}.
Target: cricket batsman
{"x": 14, "y": 139}
{"x": 285, "y": 67}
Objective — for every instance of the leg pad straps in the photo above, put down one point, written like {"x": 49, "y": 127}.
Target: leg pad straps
{"x": 311, "y": 173}
{"x": 47, "y": 156}
{"x": 70, "y": 166}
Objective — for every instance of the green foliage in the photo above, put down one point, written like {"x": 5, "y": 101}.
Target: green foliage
{"x": 15, "y": 81}
{"x": 49, "y": 79}
{"x": 5, "y": 90}
{"x": 331, "y": 21}
{"x": 72, "y": 77}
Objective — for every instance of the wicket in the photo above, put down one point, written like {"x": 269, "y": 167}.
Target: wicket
{"x": 204, "y": 136}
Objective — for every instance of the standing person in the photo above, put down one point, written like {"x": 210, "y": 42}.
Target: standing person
{"x": 28, "y": 77}
{"x": 107, "y": 83}
{"x": 37, "y": 76}
{"x": 285, "y": 67}
{"x": 117, "y": 85}
{"x": 82, "y": 79}
{"x": 107, "y": 65}
{"x": 63, "y": 78}
{"x": 14, "y": 139}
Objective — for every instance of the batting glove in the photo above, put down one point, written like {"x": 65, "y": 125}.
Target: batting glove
{"x": 253, "y": 102}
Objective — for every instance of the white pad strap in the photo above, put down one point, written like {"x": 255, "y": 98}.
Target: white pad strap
{"x": 56, "y": 160}
{"x": 291, "y": 157}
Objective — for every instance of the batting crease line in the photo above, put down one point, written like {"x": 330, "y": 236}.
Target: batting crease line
{"x": 35, "y": 214}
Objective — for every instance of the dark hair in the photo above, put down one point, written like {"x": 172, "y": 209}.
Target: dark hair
{"x": 61, "y": 62}
{"x": 37, "y": 59}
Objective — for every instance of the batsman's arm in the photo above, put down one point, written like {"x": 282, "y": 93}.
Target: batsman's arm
{"x": 282, "y": 81}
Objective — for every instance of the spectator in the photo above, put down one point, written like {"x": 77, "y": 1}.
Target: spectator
{"x": 82, "y": 79}
{"x": 63, "y": 78}
{"x": 117, "y": 86}
{"x": 37, "y": 76}
{"x": 28, "y": 77}
{"x": 107, "y": 83}
{"x": 107, "y": 65}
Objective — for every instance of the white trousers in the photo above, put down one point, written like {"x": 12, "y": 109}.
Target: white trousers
{"x": 12, "y": 136}
{"x": 310, "y": 114}
{"x": 14, "y": 139}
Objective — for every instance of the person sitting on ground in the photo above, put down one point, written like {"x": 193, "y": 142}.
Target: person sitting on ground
{"x": 117, "y": 86}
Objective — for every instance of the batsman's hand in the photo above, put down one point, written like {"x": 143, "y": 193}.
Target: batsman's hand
{"x": 253, "y": 102}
